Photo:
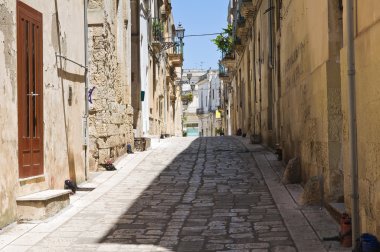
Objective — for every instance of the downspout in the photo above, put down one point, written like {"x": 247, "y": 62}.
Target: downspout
{"x": 165, "y": 108}
{"x": 270, "y": 18}
{"x": 86, "y": 108}
{"x": 352, "y": 121}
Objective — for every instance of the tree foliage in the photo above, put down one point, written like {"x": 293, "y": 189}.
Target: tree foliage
{"x": 224, "y": 40}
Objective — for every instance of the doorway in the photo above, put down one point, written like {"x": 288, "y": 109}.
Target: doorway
{"x": 30, "y": 91}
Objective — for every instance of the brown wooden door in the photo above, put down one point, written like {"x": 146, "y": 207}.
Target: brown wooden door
{"x": 30, "y": 89}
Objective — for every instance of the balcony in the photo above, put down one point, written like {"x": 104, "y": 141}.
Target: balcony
{"x": 228, "y": 60}
{"x": 176, "y": 57}
{"x": 241, "y": 27}
{"x": 223, "y": 73}
{"x": 247, "y": 9}
{"x": 239, "y": 46}
{"x": 157, "y": 34}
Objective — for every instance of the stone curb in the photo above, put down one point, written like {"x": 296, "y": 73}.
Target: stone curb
{"x": 299, "y": 228}
{"x": 24, "y": 236}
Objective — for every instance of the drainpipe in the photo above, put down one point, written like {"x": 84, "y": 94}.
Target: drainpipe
{"x": 86, "y": 88}
{"x": 352, "y": 121}
{"x": 270, "y": 18}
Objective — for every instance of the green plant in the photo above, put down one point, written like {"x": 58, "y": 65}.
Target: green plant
{"x": 158, "y": 29}
{"x": 218, "y": 131}
{"x": 187, "y": 97}
{"x": 224, "y": 40}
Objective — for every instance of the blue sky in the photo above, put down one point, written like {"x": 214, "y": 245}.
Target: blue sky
{"x": 200, "y": 17}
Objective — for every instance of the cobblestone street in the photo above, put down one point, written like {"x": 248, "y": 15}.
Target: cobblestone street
{"x": 206, "y": 194}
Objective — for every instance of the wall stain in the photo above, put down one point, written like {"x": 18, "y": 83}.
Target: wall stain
{"x": 7, "y": 25}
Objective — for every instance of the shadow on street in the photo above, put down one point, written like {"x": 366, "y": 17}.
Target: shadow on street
{"x": 210, "y": 197}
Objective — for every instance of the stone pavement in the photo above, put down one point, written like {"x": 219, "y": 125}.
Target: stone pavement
{"x": 204, "y": 194}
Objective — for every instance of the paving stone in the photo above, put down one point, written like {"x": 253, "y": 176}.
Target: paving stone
{"x": 190, "y": 195}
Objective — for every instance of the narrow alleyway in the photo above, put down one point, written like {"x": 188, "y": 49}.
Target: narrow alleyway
{"x": 204, "y": 194}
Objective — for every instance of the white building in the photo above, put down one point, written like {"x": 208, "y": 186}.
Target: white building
{"x": 208, "y": 103}
{"x": 201, "y": 115}
{"x": 190, "y": 119}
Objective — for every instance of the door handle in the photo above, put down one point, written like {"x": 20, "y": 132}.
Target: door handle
{"x": 33, "y": 94}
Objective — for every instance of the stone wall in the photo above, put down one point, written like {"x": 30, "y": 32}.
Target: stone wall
{"x": 110, "y": 116}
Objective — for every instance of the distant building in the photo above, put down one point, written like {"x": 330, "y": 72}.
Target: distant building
{"x": 190, "y": 120}
{"x": 209, "y": 103}
{"x": 201, "y": 114}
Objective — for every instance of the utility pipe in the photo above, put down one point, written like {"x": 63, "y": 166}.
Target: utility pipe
{"x": 352, "y": 121}
{"x": 86, "y": 88}
{"x": 270, "y": 21}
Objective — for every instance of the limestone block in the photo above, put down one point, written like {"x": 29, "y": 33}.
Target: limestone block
{"x": 98, "y": 104}
{"x": 292, "y": 174}
{"x": 100, "y": 128}
{"x": 125, "y": 128}
{"x": 42, "y": 205}
{"x": 92, "y": 130}
{"x": 110, "y": 142}
{"x": 98, "y": 42}
{"x": 112, "y": 129}
{"x": 99, "y": 55}
{"x": 312, "y": 192}
{"x": 104, "y": 154}
{"x": 117, "y": 118}
{"x": 129, "y": 110}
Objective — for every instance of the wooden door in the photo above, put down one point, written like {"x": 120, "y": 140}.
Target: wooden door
{"x": 30, "y": 90}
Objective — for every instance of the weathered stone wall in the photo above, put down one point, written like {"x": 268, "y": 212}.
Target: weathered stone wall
{"x": 8, "y": 110}
{"x": 110, "y": 114}
{"x": 310, "y": 91}
{"x": 291, "y": 94}
{"x": 367, "y": 48}
{"x": 63, "y": 94}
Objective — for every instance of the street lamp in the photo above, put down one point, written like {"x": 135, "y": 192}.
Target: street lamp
{"x": 180, "y": 33}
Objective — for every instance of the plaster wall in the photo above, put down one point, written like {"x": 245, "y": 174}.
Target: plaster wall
{"x": 367, "y": 59}
{"x": 310, "y": 91}
{"x": 63, "y": 89}
{"x": 8, "y": 110}
{"x": 144, "y": 69}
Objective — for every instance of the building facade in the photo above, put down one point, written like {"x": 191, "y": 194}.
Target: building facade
{"x": 285, "y": 86}
{"x": 366, "y": 33}
{"x": 110, "y": 108}
{"x": 190, "y": 101}
{"x": 42, "y": 79}
{"x": 66, "y": 71}
{"x": 158, "y": 57}
{"x": 208, "y": 89}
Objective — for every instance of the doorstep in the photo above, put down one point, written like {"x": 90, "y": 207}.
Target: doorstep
{"x": 41, "y": 205}
{"x": 336, "y": 210}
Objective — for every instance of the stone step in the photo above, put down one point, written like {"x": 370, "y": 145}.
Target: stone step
{"x": 42, "y": 205}
{"x": 336, "y": 210}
